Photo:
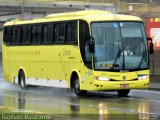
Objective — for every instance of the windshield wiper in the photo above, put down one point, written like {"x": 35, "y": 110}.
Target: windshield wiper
{"x": 116, "y": 59}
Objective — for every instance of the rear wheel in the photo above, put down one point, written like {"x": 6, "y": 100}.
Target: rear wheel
{"x": 22, "y": 80}
{"x": 123, "y": 93}
{"x": 76, "y": 87}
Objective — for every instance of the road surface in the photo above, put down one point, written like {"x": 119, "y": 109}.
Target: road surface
{"x": 64, "y": 104}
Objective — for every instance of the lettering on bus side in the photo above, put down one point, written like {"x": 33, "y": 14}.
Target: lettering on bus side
{"x": 27, "y": 53}
{"x": 66, "y": 52}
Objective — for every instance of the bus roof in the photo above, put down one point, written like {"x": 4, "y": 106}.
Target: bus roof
{"x": 78, "y": 13}
{"x": 88, "y": 15}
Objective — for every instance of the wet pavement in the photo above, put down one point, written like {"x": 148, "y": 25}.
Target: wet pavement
{"x": 63, "y": 104}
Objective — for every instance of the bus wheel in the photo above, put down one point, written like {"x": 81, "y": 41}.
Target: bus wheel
{"x": 123, "y": 93}
{"x": 21, "y": 79}
{"x": 76, "y": 88}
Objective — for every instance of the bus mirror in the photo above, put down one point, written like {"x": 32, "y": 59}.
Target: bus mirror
{"x": 151, "y": 45}
{"x": 91, "y": 46}
{"x": 151, "y": 48}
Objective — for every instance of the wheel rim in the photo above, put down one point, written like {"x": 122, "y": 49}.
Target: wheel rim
{"x": 22, "y": 82}
{"x": 76, "y": 86}
{"x": 77, "y": 89}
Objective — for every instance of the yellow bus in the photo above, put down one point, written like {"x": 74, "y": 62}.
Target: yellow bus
{"x": 88, "y": 50}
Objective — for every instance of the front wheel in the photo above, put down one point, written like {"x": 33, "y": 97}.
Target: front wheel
{"x": 22, "y": 81}
{"x": 123, "y": 93}
{"x": 76, "y": 88}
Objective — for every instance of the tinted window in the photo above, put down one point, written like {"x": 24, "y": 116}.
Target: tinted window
{"x": 72, "y": 32}
{"x": 36, "y": 34}
{"x": 7, "y": 35}
{"x": 84, "y": 43}
{"x": 25, "y": 34}
{"x": 16, "y": 35}
{"x": 47, "y": 33}
{"x": 39, "y": 34}
{"x": 50, "y": 33}
{"x": 59, "y": 32}
{"x": 28, "y": 34}
{"x": 23, "y": 40}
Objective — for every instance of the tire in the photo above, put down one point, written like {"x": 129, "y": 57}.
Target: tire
{"x": 76, "y": 87}
{"x": 123, "y": 93}
{"x": 22, "y": 80}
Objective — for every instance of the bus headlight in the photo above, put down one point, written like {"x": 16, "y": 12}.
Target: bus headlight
{"x": 101, "y": 78}
{"x": 143, "y": 77}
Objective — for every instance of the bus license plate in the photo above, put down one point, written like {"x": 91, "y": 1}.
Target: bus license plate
{"x": 124, "y": 85}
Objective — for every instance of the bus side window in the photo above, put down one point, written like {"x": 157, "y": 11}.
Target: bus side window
{"x": 87, "y": 53}
{"x": 47, "y": 33}
{"x": 24, "y": 35}
{"x": 59, "y": 32}
{"x": 16, "y": 35}
{"x": 39, "y": 34}
{"x": 50, "y": 33}
{"x": 72, "y": 32}
{"x": 34, "y": 34}
{"x": 7, "y": 35}
{"x": 28, "y": 34}
{"x": 84, "y": 43}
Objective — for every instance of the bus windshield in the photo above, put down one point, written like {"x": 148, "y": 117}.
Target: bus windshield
{"x": 120, "y": 46}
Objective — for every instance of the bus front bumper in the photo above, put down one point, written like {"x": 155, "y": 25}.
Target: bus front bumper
{"x": 120, "y": 85}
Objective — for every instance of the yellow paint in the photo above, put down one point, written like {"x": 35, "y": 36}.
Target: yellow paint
{"x": 57, "y": 62}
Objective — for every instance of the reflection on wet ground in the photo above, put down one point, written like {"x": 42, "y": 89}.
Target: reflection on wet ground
{"x": 62, "y": 103}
